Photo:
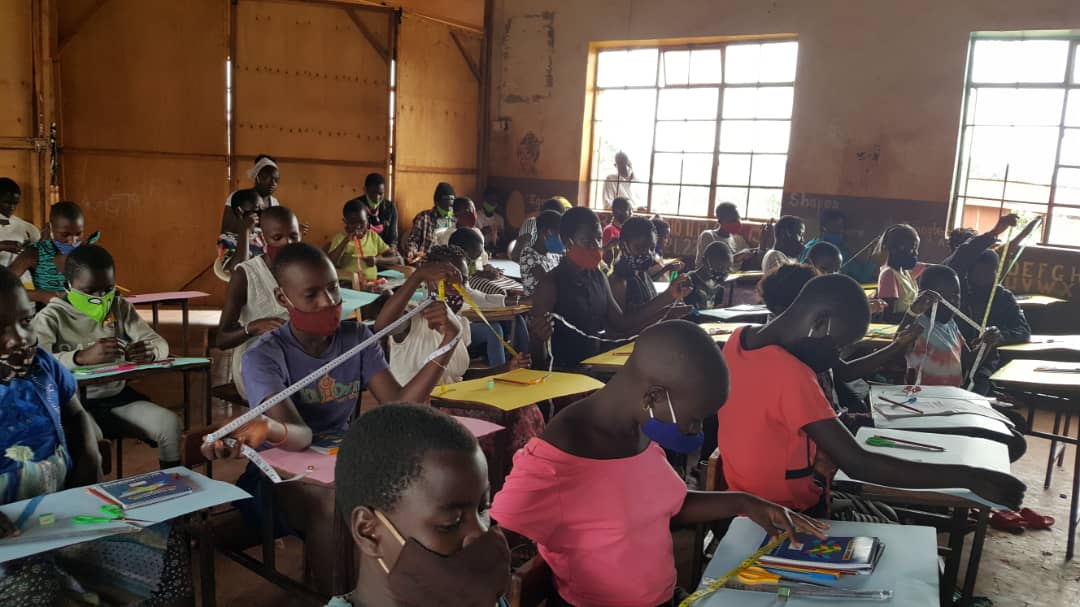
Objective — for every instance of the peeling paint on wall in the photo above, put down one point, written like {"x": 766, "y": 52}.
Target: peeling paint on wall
{"x": 528, "y": 45}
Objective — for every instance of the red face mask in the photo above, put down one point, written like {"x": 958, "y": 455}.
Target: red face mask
{"x": 322, "y": 322}
{"x": 586, "y": 259}
{"x": 467, "y": 219}
{"x": 732, "y": 227}
{"x": 272, "y": 251}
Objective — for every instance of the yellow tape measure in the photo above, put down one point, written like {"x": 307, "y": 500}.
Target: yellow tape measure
{"x": 722, "y": 581}
{"x": 469, "y": 300}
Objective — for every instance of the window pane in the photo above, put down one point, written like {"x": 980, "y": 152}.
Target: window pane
{"x": 1076, "y": 66}
{"x": 667, "y": 168}
{"x": 1068, "y": 187}
{"x": 736, "y": 196}
{"x": 1028, "y": 152}
{"x": 665, "y": 199}
{"x": 1070, "y": 147}
{"x": 687, "y": 104}
{"x": 612, "y": 137}
{"x": 737, "y": 136}
{"x": 764, "y": 203}
{"x": 1072, "y": 111}
{"x": 632, "y": 106}
{"x": 694, "y": 201}
{"x": 626, "y": 68}
{"x": 1018, "y": 106}
{"x": 675, "y": 67}
{"x": 778, "y": 60}
{"x": 1026, "y": 192}
{"x": 733, "y": 169}
{"x": 706, "y": 66}
{"x": 766, "y": 102}
{"x": 697, "y": 169}
{"x": 696, "y": 136}
{"x": 741, "y": 64}
{"x": 1019, "y": 60}
{"x": 740, "y": 103}
{"x": 768, "y": 171}
{"x": 772, "y": 136}
{"x": 1064, "y": 226}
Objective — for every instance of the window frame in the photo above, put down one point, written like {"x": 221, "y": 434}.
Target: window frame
{"x": 595, "y": 185}
{"x": 1070, "y": 85}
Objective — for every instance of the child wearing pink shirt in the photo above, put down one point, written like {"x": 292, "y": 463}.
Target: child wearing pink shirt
{"x": 596, "y": 493}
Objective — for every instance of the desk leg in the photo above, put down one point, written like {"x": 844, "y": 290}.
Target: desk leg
{"x": 185, "y": 311}
{"x": 956, "y": 551}
{"x": 154, "y": 306}
{"x": 1053, "y": 449}
{"x": 266, "y": 494}
{"x": 208, "y": 403}
{"x": 207, "y": 573}
{"x": 1071, "y": 546}
{"x": 187, "y": 400}
{"x": 974, "y": 559}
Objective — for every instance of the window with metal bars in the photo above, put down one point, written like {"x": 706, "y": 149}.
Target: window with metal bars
{"x": 1020, "y": 142}
{"x": 700, "y": 124}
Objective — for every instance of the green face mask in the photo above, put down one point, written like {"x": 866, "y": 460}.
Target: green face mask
{"x": 490, "y": 208}
{"x": 93, "y": 306}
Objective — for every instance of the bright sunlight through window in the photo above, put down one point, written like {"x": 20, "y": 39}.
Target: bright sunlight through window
{"x": 1020, "y": 145}
{"x": 661, "y": 107}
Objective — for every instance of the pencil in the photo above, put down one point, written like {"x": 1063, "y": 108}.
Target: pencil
{"x": 899, "y": 404}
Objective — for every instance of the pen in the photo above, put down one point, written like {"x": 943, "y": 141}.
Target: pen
{"x": 899, "y": 404}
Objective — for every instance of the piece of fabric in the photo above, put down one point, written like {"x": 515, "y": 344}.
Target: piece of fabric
{"x": 46, "y": 276}
{"x": 260, "y": 303}
{"x": 706, "y": 294}
{"x": 772, "y": 397}
{"x": 582, "y": 299}
{"x": 735, "y": 242}
{"x": 639, "y": 287}
{"x": 16, "y": 229}
{"x": 425, "y": 227}
{"x": 611, "y": 232}
{"x": 371, "y": 245}
{"x": 62, "y": 330}
{"x": 535, "y": 264}
{"x": 617, "y": 187}
{"x": 774, "y": 258}
{"x": 592, "y": 517}
{"x": 383, "y": 219}
{"x": 407, "y": 357}
{"x": 938, "y": 352}
{"x": 277, "y": 360}
{"x": 901, "y": 285}
{"x": 131, "y": 415}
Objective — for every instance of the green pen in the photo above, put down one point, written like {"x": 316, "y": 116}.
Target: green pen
{"x": 898, "y": 443}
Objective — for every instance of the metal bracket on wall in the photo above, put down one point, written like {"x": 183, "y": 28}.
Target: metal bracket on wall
{"x": 473, "y": 66}
{"x": 62, "y": 42}
{"x": 382, "y": 50}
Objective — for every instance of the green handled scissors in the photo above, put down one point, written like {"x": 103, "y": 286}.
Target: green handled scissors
{"x": 110, "y": 514}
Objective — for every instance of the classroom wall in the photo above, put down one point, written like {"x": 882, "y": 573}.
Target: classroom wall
{"x": 877, "y": 99}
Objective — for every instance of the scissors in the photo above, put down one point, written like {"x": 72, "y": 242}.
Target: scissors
{"x": 110, "y": 514}
{"x": 758, "y": 575}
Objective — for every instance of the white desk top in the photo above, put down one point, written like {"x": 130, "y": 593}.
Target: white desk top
{"x": 908, "y": 566}
{"x": 932, "y": 422}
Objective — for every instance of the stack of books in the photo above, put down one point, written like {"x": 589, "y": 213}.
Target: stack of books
{"x": 808, "y": 559}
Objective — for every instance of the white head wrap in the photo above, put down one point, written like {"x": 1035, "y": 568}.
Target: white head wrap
{"x": 259, "y": 166}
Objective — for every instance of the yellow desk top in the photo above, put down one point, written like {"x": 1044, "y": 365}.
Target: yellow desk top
{"x": 510, "y": 396}
{"x": 1032, "y": 373}
{"x": 1037, "y": 300}
{"x": 615, "y": 358}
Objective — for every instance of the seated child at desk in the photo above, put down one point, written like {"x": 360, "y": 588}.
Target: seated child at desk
{"x": 93, "y": 326}
{"x": 251, "y": 306}
{"x": 44, "y": 259}
{"x": 235, "y": 248}
{"x": 51, "y": 445}
{"x": 374, "y": 254}
{"x": 707, "y": 280}
{"x": 660, "y": 271}
{"x": 596, "y": 493}
{"x": 898, "y": 282}
{"x": 464, "y": 218}
{"x": 527, "y": 233}
{"x": 778, "y": 426}
{"x": 631, "y": 282}
{"x": 15, "y": 232}
{"x": 790, "y": 234}
{"x": 308, "y": 289}
{"x": 941, "y": 354}
{"x": 729, "y": 230}
{"x": 825, "y": 258}
{"x": 621, "y": 210}
{"x": 412, "y": 487}
{"x": 578, "y": 291}
{"x": 483, "y": 277}
{"x": 410, "y": 345}
{"x": 1005, "y": 312}
{"x": 544, "y": 254}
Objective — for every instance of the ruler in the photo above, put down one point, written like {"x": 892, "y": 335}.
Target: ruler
{"x": 720, "y": 582}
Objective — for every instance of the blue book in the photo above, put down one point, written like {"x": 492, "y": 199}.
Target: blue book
{"x": 841, "y": 554}
{"x": 142, "y": 490}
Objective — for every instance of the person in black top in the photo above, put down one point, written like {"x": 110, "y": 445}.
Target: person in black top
{"x": 631, "y": 282}
{"x": 382, "y": 216}
{"x": 1005, "y": 314}
{"x": 579, "y": 291}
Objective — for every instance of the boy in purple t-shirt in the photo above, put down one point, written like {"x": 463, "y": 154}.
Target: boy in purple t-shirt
{"x": 308, "y": 289}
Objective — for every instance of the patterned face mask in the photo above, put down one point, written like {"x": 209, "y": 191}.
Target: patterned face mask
{"x": 17, "y": 363}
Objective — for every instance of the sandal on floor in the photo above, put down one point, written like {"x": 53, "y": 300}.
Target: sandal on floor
{"x": 1005, "y": 520}
{"x": 1035, "y": 520}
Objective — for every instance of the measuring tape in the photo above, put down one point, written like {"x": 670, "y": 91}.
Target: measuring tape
{"x": 266, "y": 405}
{"x": 472, "y": 304}
{"x": 720, "y": 582}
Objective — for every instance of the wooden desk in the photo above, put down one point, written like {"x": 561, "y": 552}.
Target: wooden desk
{"x": 1057, "y": 392}
{"x": 498, "y": 314}
{"x": 1045, "y": 347}
{"x": 614, "y": 359}
{"x": 740, "y": 279}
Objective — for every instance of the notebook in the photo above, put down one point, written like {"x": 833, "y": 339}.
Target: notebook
{"x": 326, "y": 444}
{"x": 142, "y": 490}
{"x": 852, "y": 555}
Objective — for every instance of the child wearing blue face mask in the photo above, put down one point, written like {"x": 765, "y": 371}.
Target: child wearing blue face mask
{"x": 544, "y": 253}
{"x": 631, "y": 282}
{"x": 44, "y": 259}
{"x": 92, "y": 326}
{"x": 569, "y": 488}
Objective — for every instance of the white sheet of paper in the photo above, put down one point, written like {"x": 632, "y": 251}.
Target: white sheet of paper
{"x": 740, "y": 311}
{"x": 508, "y": 267}
{"x": 959, "y": 450}
{"x": 908, "y": 566}
{"x": 982, "y": 416}
{"x": 73, "y": 502}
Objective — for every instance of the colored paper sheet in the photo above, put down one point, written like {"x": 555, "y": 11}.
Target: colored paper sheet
{"x": 109, "y": 370}
{"x": 511, "y": 396}
{"x": 36, "y": 539}
{"x": 148, "y": 298}
{"x": 351, "y": 300}
{"x": 392, "y": 274}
